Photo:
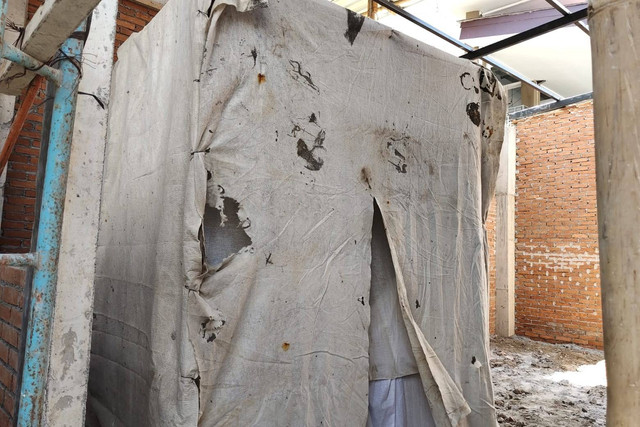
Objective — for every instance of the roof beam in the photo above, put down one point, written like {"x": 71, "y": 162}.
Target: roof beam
{"x": 562, "y": 9}
{"x": 527, "y": 35}
{"x": 465, "y": 47}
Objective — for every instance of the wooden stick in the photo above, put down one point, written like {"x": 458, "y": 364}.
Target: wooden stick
{"x": 615, "y": 34}
{"x": 372, "y": 9}
{"x": 18, "y": 122}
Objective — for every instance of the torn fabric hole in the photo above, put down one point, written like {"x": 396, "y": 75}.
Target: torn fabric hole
{"x": 224, "y": 232}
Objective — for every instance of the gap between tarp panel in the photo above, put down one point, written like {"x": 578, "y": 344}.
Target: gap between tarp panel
{"x": 447, "y": 403}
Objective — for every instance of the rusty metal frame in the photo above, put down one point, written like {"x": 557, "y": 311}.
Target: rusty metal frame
{"x": 18, "y": 122}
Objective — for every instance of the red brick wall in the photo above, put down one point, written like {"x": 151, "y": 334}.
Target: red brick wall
{"x": 18, "y": 217}
{"x": 20, "y": 193}
{"x": 12, "y": 282}
{"x": 557, "y": 269}
{"x": 132, "y": 17}
{"x": 20, "y": 187}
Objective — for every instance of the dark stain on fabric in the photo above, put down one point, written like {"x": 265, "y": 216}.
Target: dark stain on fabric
{"x": 473, "y": 360}
{"x": 254, "y": 55}
{"x": 365, "y": 175}
{"x": 208, "y": 335}
{"x": 473, "y": 111}
{"x": 394, "y": 143}
{"x": 354, "y": 25}
{"x": 488, "y": 132}
{"x": 400, "y": 167}
{"x": 417, "y": 304}
{"x": 268, "y": 260}
{"x": 314, "y": 163}
{"x": 489, "y": 83}
{"x": 361, "y": 300}
{"x": 468, "y": 82}
{"x": 298, "y": 74}
{"x": 295, "y": 130}
{"x": 261, "y": 78}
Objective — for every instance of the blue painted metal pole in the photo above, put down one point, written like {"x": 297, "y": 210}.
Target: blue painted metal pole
{"x": 14, "y": 54}
{"x": 3, "y": 23}
{"x": 36, "y": 361}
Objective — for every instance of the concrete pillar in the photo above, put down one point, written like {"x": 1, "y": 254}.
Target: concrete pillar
{"x": 615, "y": 37}
{"x": 71, "y": 335}
{"x": 505, "y": 236}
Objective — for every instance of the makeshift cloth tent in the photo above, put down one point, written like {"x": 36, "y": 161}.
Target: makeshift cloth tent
{"x": 247, "y": 148}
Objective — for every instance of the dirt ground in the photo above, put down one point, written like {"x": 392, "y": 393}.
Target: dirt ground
{"x": 539, "y": 384}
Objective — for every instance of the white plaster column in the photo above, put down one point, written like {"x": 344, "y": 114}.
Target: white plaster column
{"x": 505, "y": 235}
{"x": 71, "y": 336}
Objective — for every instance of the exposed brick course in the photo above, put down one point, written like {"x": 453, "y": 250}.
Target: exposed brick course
{"x": 557, "y": 264}
{"x": 12, "y": 282}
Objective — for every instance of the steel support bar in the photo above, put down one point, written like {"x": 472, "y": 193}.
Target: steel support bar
{"x": 546, "y": 91}
{"x": 545, "y": 108}
{"x": 36, "y": 360}
{"x": 18, "y": 121}
{"x": 18, "y": 260}
{"x": 465, "y": 47}
{"x": 527, "y": 35}
{"x": 563, "y": 9}
{"x": 14, "y": 54}
{"x": 419, "y": 22}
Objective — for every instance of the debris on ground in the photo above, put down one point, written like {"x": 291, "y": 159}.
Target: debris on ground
{"x": 540, "y": 384}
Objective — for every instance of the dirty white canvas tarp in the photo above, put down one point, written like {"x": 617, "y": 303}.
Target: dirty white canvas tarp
{"x": 247, "y": 148}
